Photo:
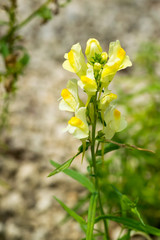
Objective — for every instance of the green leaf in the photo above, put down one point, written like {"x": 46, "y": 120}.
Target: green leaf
{"x": 73, "y": 214}
{"x": 83, "y": 147}
{"x": 131, "y": 224}
{"x": 126, "y": 236}
{"x": 25, "y": 59}
{"x": 91, "y": 216}
{"x": 62, "y": 167}
{"x": 83, "y": 180}
{"x": 21, "y": 63}
{"x": 77, "y": 206}
{"x": 45, "y": 13}
{"x": 108, "y": 148}
{"x": 4, "y": 50}
{"x": 127, "y": 205}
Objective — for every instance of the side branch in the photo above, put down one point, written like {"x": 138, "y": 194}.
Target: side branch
{"x": 126, "y": 145}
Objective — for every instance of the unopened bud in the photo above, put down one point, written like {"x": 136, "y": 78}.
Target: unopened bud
{"x": 97, "y": 66}
{"x": 104, "y": 57}
{"x": 93, "y": 47}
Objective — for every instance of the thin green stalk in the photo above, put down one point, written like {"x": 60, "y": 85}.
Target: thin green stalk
{"x": 33, "y": 15}
{"x": 4, "y": 112}
{"x": 95, "y": 168}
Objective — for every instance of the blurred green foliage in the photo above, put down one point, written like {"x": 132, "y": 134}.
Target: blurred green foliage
{"x": 13, "y": 52}
{"x": 137, "y": 173}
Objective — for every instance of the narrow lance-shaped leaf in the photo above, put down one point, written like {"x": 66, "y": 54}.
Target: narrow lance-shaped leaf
{"x": 72, "y": 213}
{"x": 77, "y": 206}
{"x": 131, "y": 224}
{"x": 77, "y": 176}
{"x": 4, "y": 49}
{"x": 126, "y": 236}
{"x": 60, "y": 168}
{"x": 91, "y": 216}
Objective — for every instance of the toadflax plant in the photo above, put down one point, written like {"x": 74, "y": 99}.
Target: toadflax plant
{"x": 94, "y": 123}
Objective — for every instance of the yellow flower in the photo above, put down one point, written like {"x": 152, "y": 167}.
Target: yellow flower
{"x": 106, "y": 99}
{"x": 93, "y": 47}
{"x": 115, "y": 122}
{"x": 77, "y": 125}
{"x": 117, "y": 60}
{"x": 75, "y": 61}
{"x": 70, "y": 100}
{"x": 88, "y": 82}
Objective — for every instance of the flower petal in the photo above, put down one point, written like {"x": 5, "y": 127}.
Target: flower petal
{"x": 114, "y": 120}
{"x": 78, "y": 125}
{"x": 67, "y": 66}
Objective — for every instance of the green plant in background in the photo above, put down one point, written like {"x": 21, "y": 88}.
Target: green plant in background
{"x": 95, "y": 124}
{"x": 137, "y": 173}
{"x": 12, "y": 50}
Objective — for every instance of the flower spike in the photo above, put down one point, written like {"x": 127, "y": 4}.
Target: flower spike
{"x": 95, "y": 76}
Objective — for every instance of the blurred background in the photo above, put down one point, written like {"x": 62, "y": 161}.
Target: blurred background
{"x": 34, "y": 132}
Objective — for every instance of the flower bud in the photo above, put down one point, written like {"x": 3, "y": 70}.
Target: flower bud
{"x": 93, "y": 47}
{"x": 97, "y": 66}
{"x": 104, "y": 57}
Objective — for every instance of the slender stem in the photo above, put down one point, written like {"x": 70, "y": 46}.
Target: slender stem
{"x": 95, "y": 168}
{"x": 33, "y": 15}
{"x": 9, "y": 78}
{"x": 4, "y": 112}
{"x": 126, "y": 145}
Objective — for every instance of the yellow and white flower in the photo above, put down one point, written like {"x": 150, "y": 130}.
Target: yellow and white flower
{"x": 117, "y": 60}
{"x": 70, "y": 100}
{"x": 106, "y": 99}
{"x": 77, "y": 125}
{"x": 115, "y": 122}
{"x": 75, "y": 61}
{"x": 88, "y": 82}
{"x": 93, "y": 47}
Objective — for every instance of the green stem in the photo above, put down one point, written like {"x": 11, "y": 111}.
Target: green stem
{"x": 33, "y": 15}
{"x": 4, "y": 112}
{"x": 93, "y": 154}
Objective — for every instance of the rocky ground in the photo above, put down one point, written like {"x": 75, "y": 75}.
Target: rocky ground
{"x": 27, "y": 208}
